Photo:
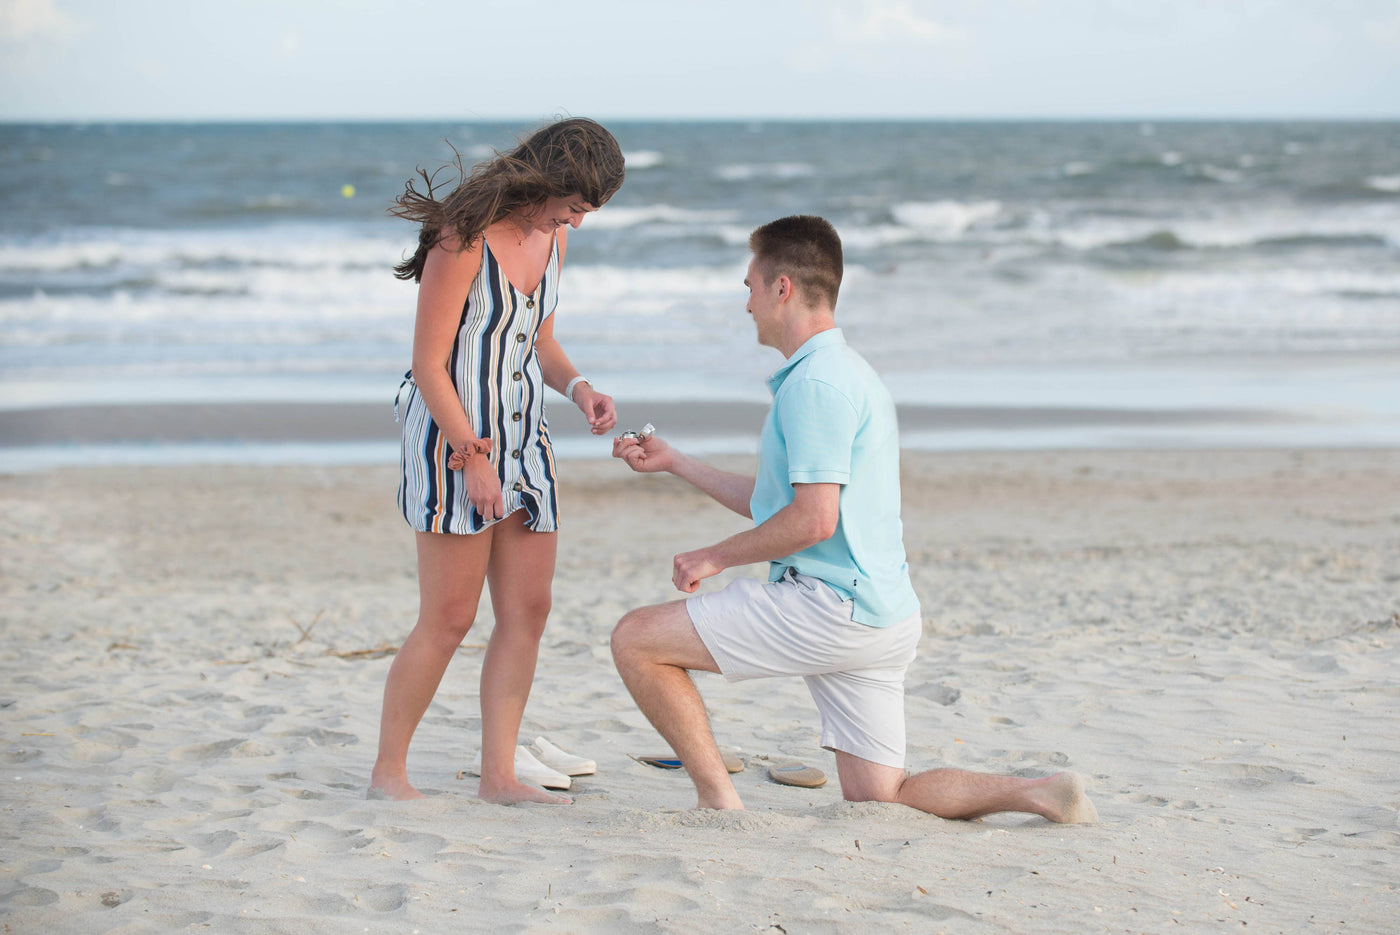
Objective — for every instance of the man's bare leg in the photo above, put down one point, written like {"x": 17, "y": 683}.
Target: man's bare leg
{"x": 961, "y": 794}
{"x": 654, "y": 647}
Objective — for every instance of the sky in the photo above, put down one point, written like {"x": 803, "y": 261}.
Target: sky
{"x": 650, "y": 59}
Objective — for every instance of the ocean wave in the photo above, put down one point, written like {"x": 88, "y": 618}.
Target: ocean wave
{"x": 644, "y": 159}
{"x": 1277, "y": 230}
{"x": 1390, "y": 184}
{"x": 272, "y": 202}
{"x": 877, "y": 236}
{"x": 642, "y": 288}
{"x": 617, "y": 217}
{"x": 948, "y": 220}
{"x": 1218, "y": 174}
{"x": 1157, "y": 240}
{"x": 219, "y": 298}
{"x": 289, "y": 248}
{"x": 774, "y": 171}
{"x": 1338, "y": 241}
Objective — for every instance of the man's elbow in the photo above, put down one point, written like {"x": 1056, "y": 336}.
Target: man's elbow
{"x": 822, "y": 525}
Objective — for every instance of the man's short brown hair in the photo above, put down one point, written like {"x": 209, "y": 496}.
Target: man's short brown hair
{"x": 806, "y": 249}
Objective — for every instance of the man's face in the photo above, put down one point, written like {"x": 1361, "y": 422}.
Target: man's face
{"x": 763, "y": 305}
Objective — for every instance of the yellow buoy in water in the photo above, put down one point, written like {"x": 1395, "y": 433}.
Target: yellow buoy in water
{"x": 347, "y": 191}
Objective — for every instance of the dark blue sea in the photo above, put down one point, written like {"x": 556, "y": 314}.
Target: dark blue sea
{"x": 997, "y": 266}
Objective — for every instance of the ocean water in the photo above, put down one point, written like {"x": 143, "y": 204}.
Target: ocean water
{"x": 1151, "y": 267}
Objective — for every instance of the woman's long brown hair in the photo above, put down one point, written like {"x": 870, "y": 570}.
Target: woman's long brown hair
{"x": 570, "y": 157}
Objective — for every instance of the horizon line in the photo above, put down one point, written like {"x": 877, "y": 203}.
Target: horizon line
{"x": 835, "y": 118}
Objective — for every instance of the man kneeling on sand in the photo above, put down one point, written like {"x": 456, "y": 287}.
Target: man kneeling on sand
{"x": 838, "y": 608}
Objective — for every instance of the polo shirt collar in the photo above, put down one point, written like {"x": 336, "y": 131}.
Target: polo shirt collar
{"x": 831, "y": 337}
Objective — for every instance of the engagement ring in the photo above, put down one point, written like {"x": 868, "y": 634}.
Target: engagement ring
{"x": 643, "y": 435}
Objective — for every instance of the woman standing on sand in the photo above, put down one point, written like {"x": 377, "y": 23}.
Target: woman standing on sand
{"x": 478, "y": 483}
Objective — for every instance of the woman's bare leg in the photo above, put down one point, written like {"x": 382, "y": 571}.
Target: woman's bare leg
{"x": 451, "y": 571}
{"x": 521, "y": 573}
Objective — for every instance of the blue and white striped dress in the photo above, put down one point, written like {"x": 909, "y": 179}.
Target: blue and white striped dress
{"x": 497, "y": 374}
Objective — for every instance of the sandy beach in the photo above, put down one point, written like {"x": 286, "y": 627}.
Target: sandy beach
{"x": 193, "y": 659}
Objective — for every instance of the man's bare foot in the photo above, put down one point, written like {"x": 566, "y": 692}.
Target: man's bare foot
{"x": 396, "y": 788}
{"x": 519, "y": 792}
{"x": 721, "y": 804}
{"x": 1063, "y": 800}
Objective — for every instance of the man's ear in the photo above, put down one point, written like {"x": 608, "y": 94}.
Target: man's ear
{"x": 784, "y": 288}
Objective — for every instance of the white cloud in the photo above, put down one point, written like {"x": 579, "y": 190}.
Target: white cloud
{"x": 871, "y": 36}
{"x": 884, "y": 21}
{"x": 34, "y": 19}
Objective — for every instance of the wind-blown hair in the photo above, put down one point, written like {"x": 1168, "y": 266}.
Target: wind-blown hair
{"x": 570, "y": 157}
{"x": 806, "y": 249}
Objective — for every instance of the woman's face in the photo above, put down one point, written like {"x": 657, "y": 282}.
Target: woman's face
{"x": 554, "y": 213}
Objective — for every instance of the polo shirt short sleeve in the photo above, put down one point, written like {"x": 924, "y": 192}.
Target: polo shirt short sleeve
{"x": 819, "y": 425}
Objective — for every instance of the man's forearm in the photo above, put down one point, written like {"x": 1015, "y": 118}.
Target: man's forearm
{"x": 726, "y": 487}
{"x": 788, "y": 531}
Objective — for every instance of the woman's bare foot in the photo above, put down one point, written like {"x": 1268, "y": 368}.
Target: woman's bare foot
{"x": 396, "y": 787}
{"x": 1063, "y": 800}
{"x": 516, "y": 792}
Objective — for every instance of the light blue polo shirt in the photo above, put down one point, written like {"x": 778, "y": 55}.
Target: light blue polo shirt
{"x": 833, "y": 422}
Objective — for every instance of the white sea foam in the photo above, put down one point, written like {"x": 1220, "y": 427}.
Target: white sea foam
{"x": 1219, "y": 174}
{"x": 880, "y": 235}
{"x": 293, "y": 247}
{"x": 946, "y": 220}
{"x": 744, "y": 172}
{"x": 1224, "y": 230}
{"x": 616, "y": 217}
{"x": 643, "y": 159}
{"x": 1390, "y": 184}
{"x": 632, "y": 288}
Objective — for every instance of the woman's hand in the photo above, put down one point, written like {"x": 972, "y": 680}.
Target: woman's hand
{"x": 597, "y": 408}
{"x": 644, "y": 455}
{"x": 483, "y": 483}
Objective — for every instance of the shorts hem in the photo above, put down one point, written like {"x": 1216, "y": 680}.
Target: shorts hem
{"x": 882, "y": 757}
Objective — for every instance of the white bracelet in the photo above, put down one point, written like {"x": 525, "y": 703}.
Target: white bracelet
{"x": 569, "y": 390}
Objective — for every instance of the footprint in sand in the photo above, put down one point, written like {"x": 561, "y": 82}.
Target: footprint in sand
{"x": 320, "y": 737}
{"x": 1254, "y": 775}
{"x": 27, "y": 895}
{"x": 206, "y": 751}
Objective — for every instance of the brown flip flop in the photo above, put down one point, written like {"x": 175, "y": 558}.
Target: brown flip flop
{"x": 807, "y": 777}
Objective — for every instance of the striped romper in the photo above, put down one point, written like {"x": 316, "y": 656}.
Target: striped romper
{"x": 497, "y": 374}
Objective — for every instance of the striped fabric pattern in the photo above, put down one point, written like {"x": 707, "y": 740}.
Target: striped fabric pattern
{"x": 497, "y": 374}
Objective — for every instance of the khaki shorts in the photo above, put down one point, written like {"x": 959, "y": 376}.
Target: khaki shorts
{"x": 798, "y": 625}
